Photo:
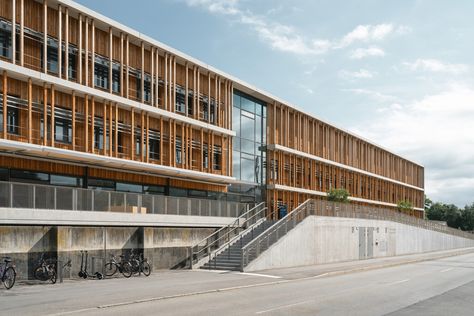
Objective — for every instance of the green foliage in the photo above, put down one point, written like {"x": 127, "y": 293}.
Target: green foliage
{"x": 404, "y": 206}
{"x": 454, "y": 217}
{"x": 338, "y": 195}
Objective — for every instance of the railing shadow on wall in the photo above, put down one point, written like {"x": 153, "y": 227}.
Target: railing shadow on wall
{"x": 38, "y": 196}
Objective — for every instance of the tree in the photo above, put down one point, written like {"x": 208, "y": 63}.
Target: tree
{"x": 467, "y": 218}
{"x": 428, "y": 203}
{"x": 338, "y": 195}
{"x": 404, "y": 206}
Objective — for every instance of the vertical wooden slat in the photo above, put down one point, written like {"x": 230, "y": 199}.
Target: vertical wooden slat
{"x": 45, "y": 114}
{"x": 209, "y": 97}
{"x": 104, "y": 127}
{"x": 79, "y": 54}
{"x": 127, "y": 61}
{"x": 5, "y": 97}
{"x": 174, "y": 84}
{"x": 186, "y": 88}
{"x": 86, "y": 53}
{"x": 142, "y": 85}
{"x": 22, "y": 33}
{"x": 60, "y": 42}
{"x": 183, "y": 144}
{"x": 66, "y": 45}
{"x": 45, "y": 36}
{"x": 30, "y": 110}
{"x": 142, "y": 136}
{"x": 93, "y": 124}
{"x": 157, "y": 86}
{"x": 73, "y": 120}
{"x": 111, "y": 43}
{"x": 13, "y": 32}
{"x": 121, "y": 68}
{"x": 116, "y": 130}
{"x": 152, "y": 73}
{"x": 174, "y": 139}
{"x": 147, "y": 147}
{"x": 165, "y": 104}
{"x": 170, "y": 138}
{"x": 93, "y": 54}
{"x": 132, "y": 135}
{"x": 53, "y": 101}
{"x": 111, "y": 129}
{"x": 161, "y": 141}
{"x": 201, "y": 152}
{"x": 86, "y": 123}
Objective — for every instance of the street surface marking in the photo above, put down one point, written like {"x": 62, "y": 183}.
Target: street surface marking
{"x": 260, "y": 275}
{"x": 283, "y": 306}
{"x": 398, "y": 282}
{"x": 446, "y": 270}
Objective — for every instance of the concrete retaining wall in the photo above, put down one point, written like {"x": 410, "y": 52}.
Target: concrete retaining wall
{"x": 165, "y": 247}
{"x": 319, "y": 240}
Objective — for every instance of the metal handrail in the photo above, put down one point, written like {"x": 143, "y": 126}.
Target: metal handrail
{"x": 203, "y": 247}
{"x": 325, "y": 208}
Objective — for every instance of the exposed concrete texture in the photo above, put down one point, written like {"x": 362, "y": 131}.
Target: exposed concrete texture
{"x": 320, "y": 239}
{"x": 165, "y": 247}
{"x": 18, "y": 216}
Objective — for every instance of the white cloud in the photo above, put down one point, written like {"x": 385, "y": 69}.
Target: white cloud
{"x": 434, "y": 65}
{"x": 360, "y": 74}
{"x": 436, "y": 131}
{"x": 360, "y": 53}
{"x": 374, "y": 95}
{"x": 286, "y": 38}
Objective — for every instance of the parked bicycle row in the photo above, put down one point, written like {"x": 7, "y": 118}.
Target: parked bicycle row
{"x": 47, "y": 269}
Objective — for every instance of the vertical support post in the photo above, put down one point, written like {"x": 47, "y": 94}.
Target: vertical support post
{"x": 86, "y": 55}
{"x": 166, "y": 83}
{"x": 186, "y": 89}
{"x": 93, "y": 54}
{"x": 152, "y": 73}
{"x": 5, "y": 109}
{"x": 116, "y": 130}
{"x": 147, "y": 137}
{"x": 104, "y": 127}
{"x": 45, "y": 115}
{"x": 30, "y": 102}
{"x": 132, "y": 136}
{"x": 13, "y": 31}
{"x": 52, "y": 114}
{"x": 60, "y": 42}
{"x": 86, "y": 123}
{"x": 174, "y": 84}
{"x": 142, "y": 84}
{"x": 157, "y": 94}
{"x": 66, "y": 45}
{"x": 161, "y": 140}
{"x": 22, "y": 33}
{"x": 73, "y": 120}
{"x": 127, "y": 77}
{"x": 142, "y": 136}
{"x": 45, "y": 36}
{"x": 79, "y": 55}
{"x": 110, "y": 128}
{"x": 111, "y": 41}
{"x": 93, "y": 124}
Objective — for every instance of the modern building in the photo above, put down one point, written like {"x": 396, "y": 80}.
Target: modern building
{"x": 87, "y": 102}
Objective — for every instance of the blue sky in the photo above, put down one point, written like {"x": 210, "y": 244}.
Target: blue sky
{"x": 397, "y": 72}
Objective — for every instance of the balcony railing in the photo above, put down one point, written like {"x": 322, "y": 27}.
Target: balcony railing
{"x": 37, "y": 196}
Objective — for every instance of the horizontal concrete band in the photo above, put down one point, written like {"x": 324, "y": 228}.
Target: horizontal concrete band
{"x": 12, "y": 146}
{"x": 60, "y": 84}
{"x": 319, "y": 193}
{"x": 292, "y": 151}
{"x": 22, "y": 216}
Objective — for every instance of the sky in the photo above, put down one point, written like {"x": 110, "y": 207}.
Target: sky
{"x": 400, "y": 73}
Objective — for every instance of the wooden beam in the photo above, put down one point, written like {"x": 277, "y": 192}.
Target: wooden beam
{"x": 60, "y": 41}
{"x": 121, "y": 66}
{"x": 111, "y": 42}
{"x": 132, "y": 136}
{"x": 147, "y": 147}
{"x": 142, "y": 85}
{"x": 30, "y": 110}
{"x": 13, "y": 32}
{"x": 93, "y": 124}
{"x": 86, "y": 55}
{"x": 5, "y": 106}
{"x": 186, "y": 88}
{"x": 142, "y": 136}
{"x": 152, "y": 74}
{"x": 73, "y": 120}
{"x": 116, "y": 130}
{"x": 45, "y": 36}
{"x": 53, "y": 101}
{"x": 111, "y": 129}
{"x": 93, "y": 54}
{"x": 22, "y": 33}
{"x": 86, "y": 123}
{"x": 79, "y": 69}
{"x": 66, "y": 45}
{"x": 104, "y": 127}
{"x": 45, "y": 114}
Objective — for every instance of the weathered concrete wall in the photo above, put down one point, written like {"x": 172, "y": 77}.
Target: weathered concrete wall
{"x": 319, "y": 240}
{"x": 165, "y": 247}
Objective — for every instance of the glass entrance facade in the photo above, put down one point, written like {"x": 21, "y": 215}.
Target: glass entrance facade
{"x": 249, "y": 152}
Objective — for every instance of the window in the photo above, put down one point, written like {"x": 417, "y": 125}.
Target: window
{"x": 217, "y": 157}
{"x": 101, "y": 74}
{"x": 212, "y": 112}
{"x": 116, "y": 78}
{"x": 99, "y": 134}
{"x": 65, "y": 181}
{"x": 154, "y": 147}
{"x": 146, "y": 89}
{"x": 137, "y": 143}
{"x": 29, "y": 176}
{"x": 128, "y": 187}
{"x": 63, "y": 130}
{"x": 190, "y": 104}
{"x": 13, "y": 120}
{"x": 154, "y": 189}
{"x": 180, "y": 102}
{"x": 5, "y": 40}
{"x": 52, "y": 52}
{"x": 205, "y": 157}
{"x": 204, "y": 110}
{"x": 179, "y": 156}
{"x": 72, "y": 64}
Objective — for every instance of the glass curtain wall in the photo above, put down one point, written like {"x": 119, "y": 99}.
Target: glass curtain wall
{"x": 249, "y": 152}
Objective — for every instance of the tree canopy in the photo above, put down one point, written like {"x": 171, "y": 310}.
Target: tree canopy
{"x": 462, "y": 218}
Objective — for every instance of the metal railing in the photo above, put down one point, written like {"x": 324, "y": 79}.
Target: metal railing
{"x": 38, "y": 196}
{"x": 324, "y": 208}
{"x": 214, "y": 242}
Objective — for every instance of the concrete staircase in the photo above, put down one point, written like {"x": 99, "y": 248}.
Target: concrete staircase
{"x": 230, "y": 257}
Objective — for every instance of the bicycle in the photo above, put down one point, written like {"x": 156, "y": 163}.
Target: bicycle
{"x": 46, "y": 270}
{"x": 8, "y": 273}
{"x": 139, "y": 264}
{"x": 121, "y": 266}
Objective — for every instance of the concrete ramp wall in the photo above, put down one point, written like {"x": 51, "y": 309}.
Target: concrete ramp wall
{"x": 320, "y": 239}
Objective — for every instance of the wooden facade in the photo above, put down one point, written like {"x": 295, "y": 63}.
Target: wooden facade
{"x": 112, "y": 92}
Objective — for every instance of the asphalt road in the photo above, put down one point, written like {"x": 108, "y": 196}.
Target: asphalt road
{"x": 435, "y": 287}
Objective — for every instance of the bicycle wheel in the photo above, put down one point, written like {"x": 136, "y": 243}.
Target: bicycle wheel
{"x": 135, "y": 266}
{"x": 53, "y": 276}
{"x": 41, "y": 273}
{"x": 9, "y": 278}
{"x": 110, "y": 269}
{"x": 146, "y": 269}
{"x": 127, "y": 269}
